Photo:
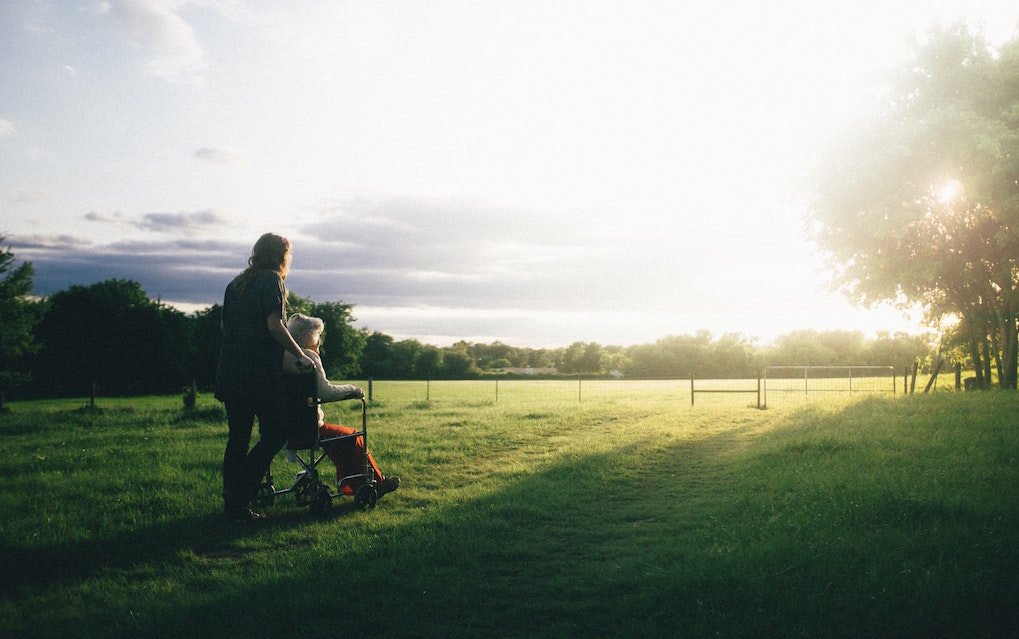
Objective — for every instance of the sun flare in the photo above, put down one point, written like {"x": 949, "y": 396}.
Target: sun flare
{"x": 951, "y": 191}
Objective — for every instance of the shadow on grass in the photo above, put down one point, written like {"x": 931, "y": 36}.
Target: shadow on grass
{"x": 648, "y": 540}
{"x": 45, "y": 567}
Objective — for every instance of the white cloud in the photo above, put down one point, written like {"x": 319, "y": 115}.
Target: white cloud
{"x": 6, "y": 128}
{"x": 169, "y": 44}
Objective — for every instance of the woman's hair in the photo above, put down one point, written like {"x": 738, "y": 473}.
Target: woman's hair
{"x": 302, "y": 327}
{"x": 270, "y": 253}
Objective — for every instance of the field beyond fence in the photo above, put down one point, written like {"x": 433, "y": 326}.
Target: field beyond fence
{"x": 555, "y": 509}
{"x": 786, "y": 384}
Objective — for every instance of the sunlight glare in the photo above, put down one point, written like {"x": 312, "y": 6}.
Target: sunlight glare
{"x": 951, "y": 191}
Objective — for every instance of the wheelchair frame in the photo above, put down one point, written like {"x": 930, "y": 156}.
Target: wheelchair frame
{"x": 309, "y": 489}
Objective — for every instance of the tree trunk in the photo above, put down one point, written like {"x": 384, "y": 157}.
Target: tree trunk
{"x": 974, "y": 353}
{"x": 1009, "y": 352}
{"x": 934, "y": 375}
{"x": 986, "y": 347}
{"x": 995, "y": 346}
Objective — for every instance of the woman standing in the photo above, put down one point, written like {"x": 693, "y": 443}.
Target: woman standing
{"x": 249, "y": 378}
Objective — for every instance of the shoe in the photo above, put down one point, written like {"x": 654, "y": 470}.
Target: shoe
{"x": 388, "y": 485}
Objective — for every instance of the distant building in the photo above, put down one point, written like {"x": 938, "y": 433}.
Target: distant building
{"x": 526, "y": 371}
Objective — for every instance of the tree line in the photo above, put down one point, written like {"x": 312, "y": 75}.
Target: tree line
{"x": 110, "y": 338}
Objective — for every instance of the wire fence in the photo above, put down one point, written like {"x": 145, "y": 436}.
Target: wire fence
{"x": 789, "y": 382}
{"x": 776, "y": 383}
{"x": 511, "y": 391}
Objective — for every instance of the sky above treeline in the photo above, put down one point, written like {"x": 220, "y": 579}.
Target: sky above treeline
{"x": 536, "y": 173}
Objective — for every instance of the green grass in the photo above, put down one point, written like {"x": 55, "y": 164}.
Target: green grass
{"x": 618, "y": 511}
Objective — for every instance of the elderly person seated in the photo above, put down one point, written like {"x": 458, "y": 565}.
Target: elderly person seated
{"x": 347, "y": 455}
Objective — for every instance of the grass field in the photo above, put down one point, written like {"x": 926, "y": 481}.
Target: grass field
{"x": 573, "y": 509}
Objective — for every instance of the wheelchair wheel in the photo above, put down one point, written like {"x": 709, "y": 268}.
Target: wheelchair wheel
{"x": 365, "y": 496}
{"x": 265, "y": 497}
{"x": 321, "y": 501}
{"x": 305, "y": 490}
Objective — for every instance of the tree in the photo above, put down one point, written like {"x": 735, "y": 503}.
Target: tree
{"x": 404, "y": 355}
{"x": 918, "y": 202}
{"x": 205, "y": 338}
{"x": 582, "y": 359}
{"x": 457, "y": 362}
{"x": 18, "y": 316}
{"x": 487, "y": 354}
{"x": 111, "y": 334}
{"x": 731, "y": 357}
{"x": 297, "y": 304}
{"x": 898, "y": 350}
{"x": 813, "y": 348}
{"x": 342, "y": 344}
{"x": 377, "y": 356}
{"x": 428, "y": 362}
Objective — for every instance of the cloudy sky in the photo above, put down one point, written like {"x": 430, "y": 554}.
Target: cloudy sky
{"x": 532, "y": 172}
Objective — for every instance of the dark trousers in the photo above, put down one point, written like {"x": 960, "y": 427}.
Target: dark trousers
{"x": 243, "y": 469}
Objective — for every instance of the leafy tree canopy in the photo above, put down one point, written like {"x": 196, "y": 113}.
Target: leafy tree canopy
{"x": 918, "y": 200}
{"x": 18, "y": 316}
{"x": 110, "y": 334}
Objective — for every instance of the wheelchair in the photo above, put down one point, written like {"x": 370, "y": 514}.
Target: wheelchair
{"x": 307, "y": 449}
